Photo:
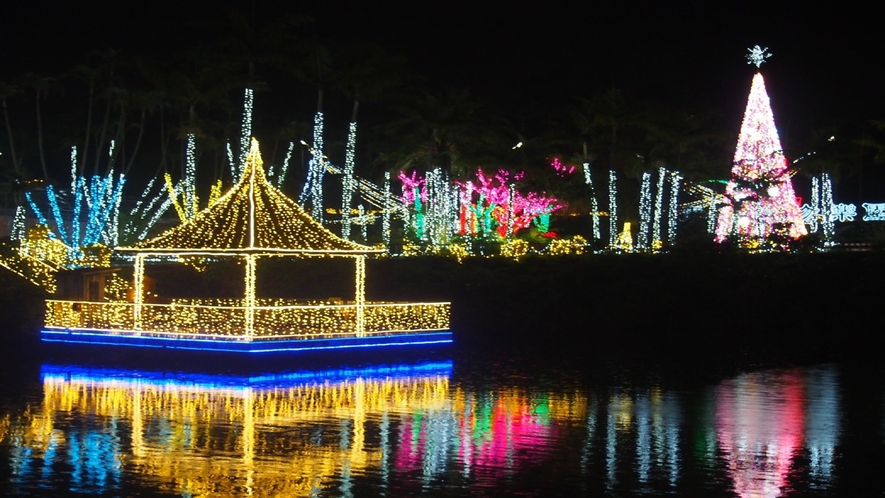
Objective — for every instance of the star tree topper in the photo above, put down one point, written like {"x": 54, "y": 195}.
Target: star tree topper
{"x": 757, "y": 55}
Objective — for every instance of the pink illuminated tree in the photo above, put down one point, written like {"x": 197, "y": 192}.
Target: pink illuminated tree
{"x": 760, "y": 201}
{"x": 500, "y": 205}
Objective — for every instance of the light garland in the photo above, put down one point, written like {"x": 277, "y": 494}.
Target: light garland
{"x": 510, "y": 210}
{"x": 460, "y": 252}
{"x": 190, "y": 177}
{"x": 102, "y": 197}
{"x": 31, "y": 269}
{"x": 274, "y": 225}
{"x": 278, "y": 222}
{"x": 594, "y": 205}
{"x": 659, "y": 208}
{"x": 18, "y": 224}
{"x": 360, "y": 296}
{"x": 41, "y": 220}
{"x": 173, "y": 190}
{"x": 575, "y": 245}
{"x": 515, "y": 249}
{"x": 313, "y": 187}
{"x": 285, "y": 168}
{"x": 245, "y": 133}
{"x": 364, "y": 222}
{"x": 385, "y": 221}
{"x": 644, "y": 212}
{"x": 225, "y": 323}
{"x": 348, "y": 184}
{"x": 827, "y": 209}
{"x": 673, "y": 218}
{"x": 74, "y": 168}
{"x": 317, "y": 168}
{"x": 625, "y": 238}
{"x": 813, "y": 218}
{"x": 712, "y": 214}
{"x": 234, "y": 170}
{"x": 612, "y": 209}
{"x": 442, "y": 201}
{"x": 56, "y": 213}
{"x": 141, "y": 211}
{"x": 112, "y": 229}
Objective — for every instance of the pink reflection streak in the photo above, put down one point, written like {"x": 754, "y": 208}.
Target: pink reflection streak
{"x": 409, "y": 452}
{"x": 514, "y": 438}
{"x": 759, "y": 428}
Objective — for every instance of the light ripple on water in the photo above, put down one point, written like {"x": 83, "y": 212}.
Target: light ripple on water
{"x": 767, "y": 433}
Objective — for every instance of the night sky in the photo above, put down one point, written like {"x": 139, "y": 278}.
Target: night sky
{"x": 530, "y": 57}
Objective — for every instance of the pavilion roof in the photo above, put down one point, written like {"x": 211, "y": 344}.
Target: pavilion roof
{"x": 252, "y": 217}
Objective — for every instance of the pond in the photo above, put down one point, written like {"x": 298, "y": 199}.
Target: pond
{"x": 456, "y": 423}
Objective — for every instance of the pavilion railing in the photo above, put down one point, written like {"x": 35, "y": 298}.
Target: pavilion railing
{"x": 268, "y": 322}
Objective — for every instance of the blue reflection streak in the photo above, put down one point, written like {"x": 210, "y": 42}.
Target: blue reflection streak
{"x": 611, "y": 443}
{"x": 587, "y": 447}
{"x": 643, "y": 438}
{"x": 822, "y": 425}
{"x": 93, "y": 455}
{"x": 239, "y": 382}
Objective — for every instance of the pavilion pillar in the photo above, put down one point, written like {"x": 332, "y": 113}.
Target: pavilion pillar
{"x": 249, "y": 301}
{"x": 137, "y": 290}
{"x": 360, "y": 295}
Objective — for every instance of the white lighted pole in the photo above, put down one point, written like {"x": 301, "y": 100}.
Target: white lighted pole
{"x": 138, "y": 289}
{"x": 360, "y": 295}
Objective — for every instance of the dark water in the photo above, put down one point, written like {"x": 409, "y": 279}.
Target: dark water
{"x": 459, "y": 424}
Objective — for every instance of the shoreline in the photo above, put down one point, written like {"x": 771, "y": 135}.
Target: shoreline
{"x": 699, "y": 308}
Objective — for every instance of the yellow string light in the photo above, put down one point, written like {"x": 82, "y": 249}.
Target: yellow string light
{"x": 251, "y": 220}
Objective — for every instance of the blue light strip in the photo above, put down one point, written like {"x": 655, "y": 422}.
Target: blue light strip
{"x": 56, "y": 212}
{"x": 238, "y": 346}
{"x": 40, "y": 218}
{"x": 79, "y": 185}
{"x": 204, "y": 381}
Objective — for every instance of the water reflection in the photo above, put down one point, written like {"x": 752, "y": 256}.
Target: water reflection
{"x": 276, "y": 435}
{"x": 766, "y": 420}
{"x": 409, "y": 429}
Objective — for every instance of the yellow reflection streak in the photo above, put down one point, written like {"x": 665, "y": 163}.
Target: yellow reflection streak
{"x": 226, "y": 441}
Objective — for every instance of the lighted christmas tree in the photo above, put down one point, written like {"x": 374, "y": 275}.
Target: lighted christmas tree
{"x": 760, "y": 201}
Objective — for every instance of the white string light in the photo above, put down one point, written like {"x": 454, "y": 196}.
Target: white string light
{"x": 594, "y": 205}
{"x": 826, "y": 201}
{"x": 245, "y": 133}
{"x": 18, "y": 224}
{"x": 673, "y": 219}
{"x": 612, "y": 208}
{"x": 285, "y": 168}
{"x": 347, "y": 186}
{"x": 190, "y": 177}
{"x": 644, "y": 212}
{"x": 813, "y": 220}
{"x": 385, "y": 221}
{"x": 659, "y": 207}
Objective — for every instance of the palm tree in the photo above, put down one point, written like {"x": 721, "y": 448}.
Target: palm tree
{"x": 448, "y": 130}
{"x": 41, "y": 85}
{"x": 8, "y": 90}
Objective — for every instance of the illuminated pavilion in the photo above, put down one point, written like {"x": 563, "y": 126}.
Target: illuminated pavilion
{"x": 252, "y": 220}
